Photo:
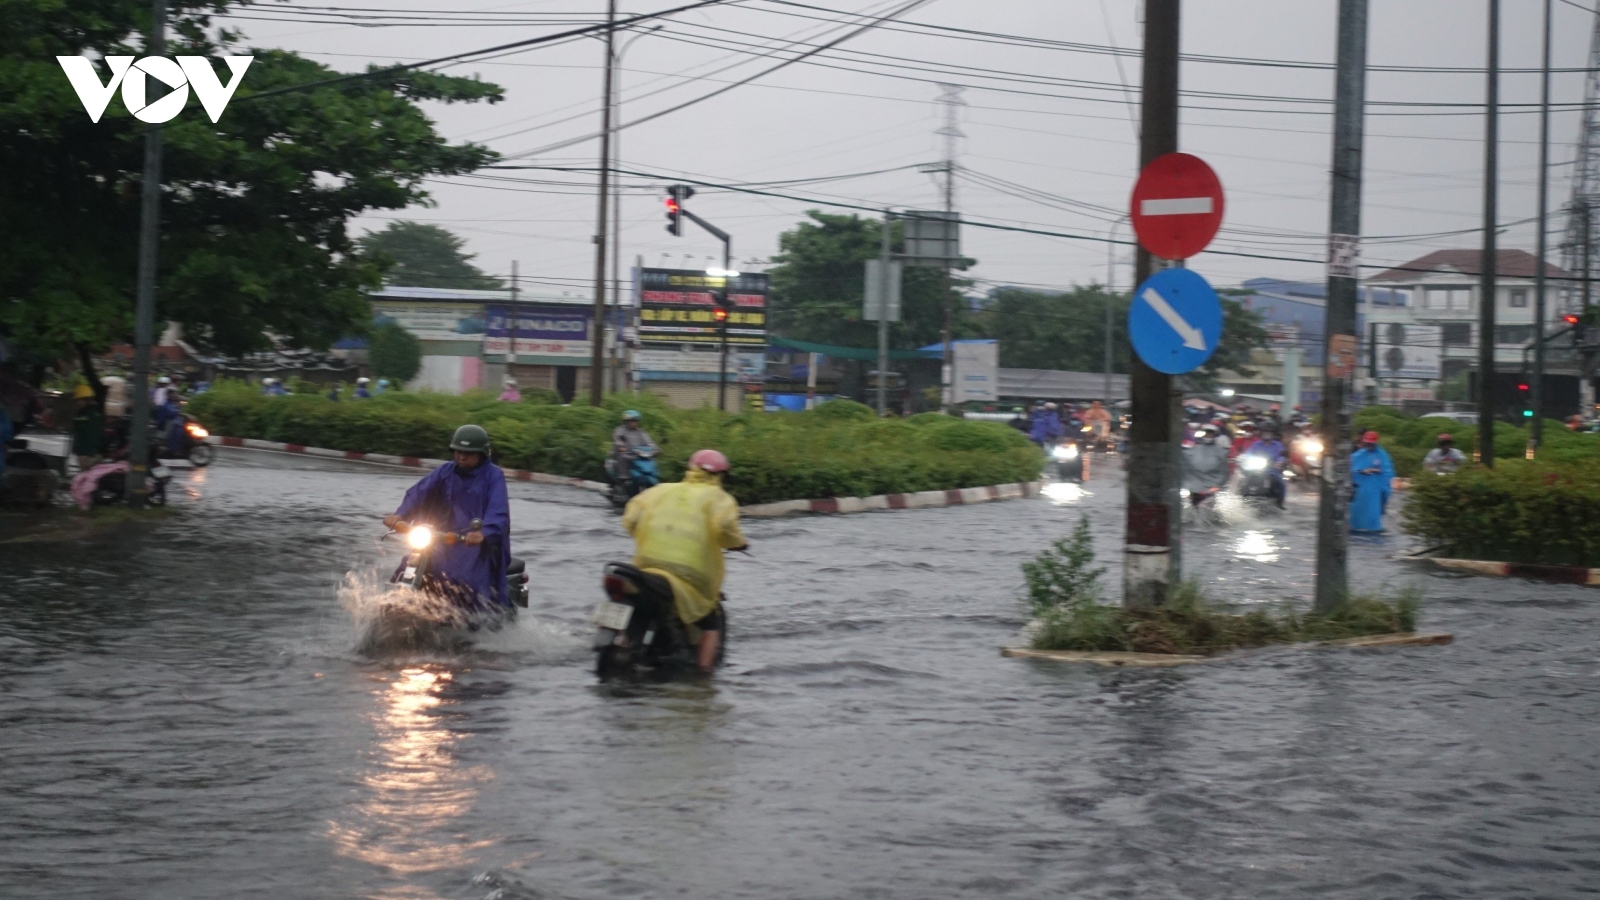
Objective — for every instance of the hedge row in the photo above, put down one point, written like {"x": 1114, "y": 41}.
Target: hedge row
{"x": 839, "y": 449}
{"x": 1408, "y": 438}
{"x": 1519, "y": 511}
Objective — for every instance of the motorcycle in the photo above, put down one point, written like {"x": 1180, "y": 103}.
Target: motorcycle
{"x": 30, "y": 477}
{"x": 639, "y": 474}
{"x": 1066, "y": 461}
{"x": 1256, "y": 472}
{"x": 186, "y": 439}
{"x": 433, "y": 614}
{"x": 638, "y": 628}
{"x": 1305, "y": 456}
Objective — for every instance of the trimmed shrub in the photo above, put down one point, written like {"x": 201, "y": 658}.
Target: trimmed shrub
{"x": 1519, "y": 511}
{"x": 832, "y": 451}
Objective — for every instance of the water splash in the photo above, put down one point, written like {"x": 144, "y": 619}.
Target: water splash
{"x": 394, "y": 622}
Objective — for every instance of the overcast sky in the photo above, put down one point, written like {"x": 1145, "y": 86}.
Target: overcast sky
{"x": 1050, "y": 120}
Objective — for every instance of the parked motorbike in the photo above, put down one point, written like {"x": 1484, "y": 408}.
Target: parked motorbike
{"x": 633, "y": 474}
{"x": 637, "y": 627}
{"x": 434, "y": 614}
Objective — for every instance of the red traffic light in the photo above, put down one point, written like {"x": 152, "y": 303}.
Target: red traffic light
{"x": 1522, "y": 387}
{"x": 720, "y": 314}
{"x": 672, "y": 204}
{"x": 1570, "y": 319}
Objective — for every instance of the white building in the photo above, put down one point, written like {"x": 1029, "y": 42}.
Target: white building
{"x": 1441, "y": 289}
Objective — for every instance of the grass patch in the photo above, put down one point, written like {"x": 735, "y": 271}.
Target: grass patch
{"x": 1066, "y": 597}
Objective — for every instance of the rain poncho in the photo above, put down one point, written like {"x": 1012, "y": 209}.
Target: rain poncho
{"x": 680, "y": 531}
{"x": 1046, "y": 427}
{"x": 1205, "y": 466}
{"x": 1371, "y": 491}
{"x": 448, "y": 499}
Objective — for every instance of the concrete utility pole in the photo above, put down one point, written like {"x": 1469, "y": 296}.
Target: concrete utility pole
{"x": 951, "y": 132}
{"x": 1344, "y": 235}
{"x": 597, "y": 329}
{"x": 144, "y": 322}
{"x": 1536, "y": 427}
{"x": 1486, "y": 279}
{"x": 884, "y": 286}
{"x": 516, "y": 317}
{"x": 1152, "y": 558}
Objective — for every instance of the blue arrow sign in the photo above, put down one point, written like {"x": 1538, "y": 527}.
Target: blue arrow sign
{"x": 1175, "y": 321}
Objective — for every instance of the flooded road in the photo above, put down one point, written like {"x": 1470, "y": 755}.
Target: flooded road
{"x": 182, "y": 715}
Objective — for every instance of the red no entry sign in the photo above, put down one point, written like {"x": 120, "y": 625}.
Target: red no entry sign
{"x": 1177, "y": 206}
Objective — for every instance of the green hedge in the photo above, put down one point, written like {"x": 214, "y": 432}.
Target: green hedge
{"x": 1519, "y": 511}
{"x": 1409, "y": 438}
{"x": 839, "y": 449}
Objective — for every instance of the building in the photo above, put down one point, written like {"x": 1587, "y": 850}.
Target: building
{"x": 1440, "y": 293}
{"x": 475, "y": 339}
{"x": 1294, "y": 314}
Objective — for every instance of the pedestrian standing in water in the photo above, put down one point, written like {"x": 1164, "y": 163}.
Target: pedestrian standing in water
{"x": 1371, "y": 474}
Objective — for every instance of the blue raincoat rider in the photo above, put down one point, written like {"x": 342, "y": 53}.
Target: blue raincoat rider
{"x": 1271, "y": 446}
{"x": 447, "y": 499}
{"x": 1046, "y": 425}
{"x": 1372, "y": 474}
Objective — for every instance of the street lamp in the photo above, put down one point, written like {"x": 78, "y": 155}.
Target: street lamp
{"x": 616, "y": 201}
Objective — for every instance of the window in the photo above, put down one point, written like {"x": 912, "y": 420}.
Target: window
{"x": 1519, "y": 298}
{"x": 1513, "y": 334}
{"x": 1456, "y": 334}
{"x": 1400, "y": 297}
{"x": 1447, "y": 298}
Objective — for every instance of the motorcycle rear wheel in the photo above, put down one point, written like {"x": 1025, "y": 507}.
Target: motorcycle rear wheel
{"x": 201, "y": 455}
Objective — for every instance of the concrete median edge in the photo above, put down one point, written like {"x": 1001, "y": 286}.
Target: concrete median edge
{"x": 821, "y": 506}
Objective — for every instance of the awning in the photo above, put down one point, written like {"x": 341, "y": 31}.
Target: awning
{"x": 865, "y": 354}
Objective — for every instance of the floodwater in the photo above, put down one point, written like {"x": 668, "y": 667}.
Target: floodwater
{"x": 182, "y": 715}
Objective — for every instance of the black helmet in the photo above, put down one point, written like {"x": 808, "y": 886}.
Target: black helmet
{"x": 470, "y": 439}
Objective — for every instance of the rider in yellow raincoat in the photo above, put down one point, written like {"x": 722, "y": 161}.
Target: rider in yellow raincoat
{"x": 679, "y": 532}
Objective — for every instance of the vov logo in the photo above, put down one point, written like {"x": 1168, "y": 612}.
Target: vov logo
{"x": 186, "y": 72}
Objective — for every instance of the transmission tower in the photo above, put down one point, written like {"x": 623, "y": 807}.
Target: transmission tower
{"x": 1577, "y": 246}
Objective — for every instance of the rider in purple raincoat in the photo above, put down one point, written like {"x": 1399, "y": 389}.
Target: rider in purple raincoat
{"x": 448, "y": 499}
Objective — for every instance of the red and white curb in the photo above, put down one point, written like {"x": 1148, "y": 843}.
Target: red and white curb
{"x": 826, "y": 505}
{"x": 1555, "y": 574}
{"x": 919, "y": 500}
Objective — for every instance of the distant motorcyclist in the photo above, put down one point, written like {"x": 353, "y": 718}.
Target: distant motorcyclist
{"x": 272, "y": 387}
{"x": 1046, "y": 428}
{"x": 1270, "y": 446}
{"x": 680, "y": 531}
{"x": 629, "y": 436}
{"x": 469, "y": 487}
{"x": 1205, "y": 466}
{"x": 510, "y": 394}
{"x": 1019, "y": 420}
{"x": 1445, "y": 458}
{"x": 1098, "y": 418}
{"x": 362, "y": 393}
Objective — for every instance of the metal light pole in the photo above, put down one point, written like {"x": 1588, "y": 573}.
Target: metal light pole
{"x": 617, "y": 377}
{"x": 145, "y": 292}
{"x": 1344, "y": 233}
{"x": 1486, "y": 279}
{"x": 1536, "y": 428}
{"x": 597, "y": 328}
{"x": 1111, "y": 295}
{"x": 1152, "y": 556}
{"x": 883, "y": 317}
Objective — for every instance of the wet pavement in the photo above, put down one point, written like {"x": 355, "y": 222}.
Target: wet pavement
{"x": 182, "y": 715}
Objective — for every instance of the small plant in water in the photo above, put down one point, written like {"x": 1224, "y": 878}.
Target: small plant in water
{"x": 1065, "y": 594}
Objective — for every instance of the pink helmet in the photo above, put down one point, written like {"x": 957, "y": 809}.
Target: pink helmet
{"x": 709, "y": 461}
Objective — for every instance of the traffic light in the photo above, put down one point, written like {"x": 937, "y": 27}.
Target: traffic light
{"x": 1570, "y": 318}
{"x": 674, "y": 217}
{"x": 724, "y": 305}
{"x": 1523, "y": 394}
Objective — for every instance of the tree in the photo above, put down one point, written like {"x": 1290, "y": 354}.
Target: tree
{"x": 394, "y": 352}
{"x": 820, "y": 276}
{"x": 1039, "y": 330}
{"x": 254, "y": 208}
{"x": 425, "y": 256}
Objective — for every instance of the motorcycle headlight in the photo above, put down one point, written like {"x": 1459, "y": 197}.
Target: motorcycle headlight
{"x": 1253, "y": 463}
{"x": 1065, "y": 452}
{"x": 198, "y": 431}
{"x": 1311, "y": 448}
{"x": 419, "y": 537}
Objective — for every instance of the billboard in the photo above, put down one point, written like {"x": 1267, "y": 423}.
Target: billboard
{"x": 544, "y": 330}
{"x": 676, "y": 307}
{"x": 432, "y": 321}
{"x": 1405, "y": 351}
{"x": 976, "y": 374}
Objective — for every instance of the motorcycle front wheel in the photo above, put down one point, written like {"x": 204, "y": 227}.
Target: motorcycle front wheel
{"x": 202, "y": 454}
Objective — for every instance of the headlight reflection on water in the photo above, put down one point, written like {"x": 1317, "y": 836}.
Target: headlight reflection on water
{"x": 1257, "y": 545}
{"x": 408, "y": 817}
